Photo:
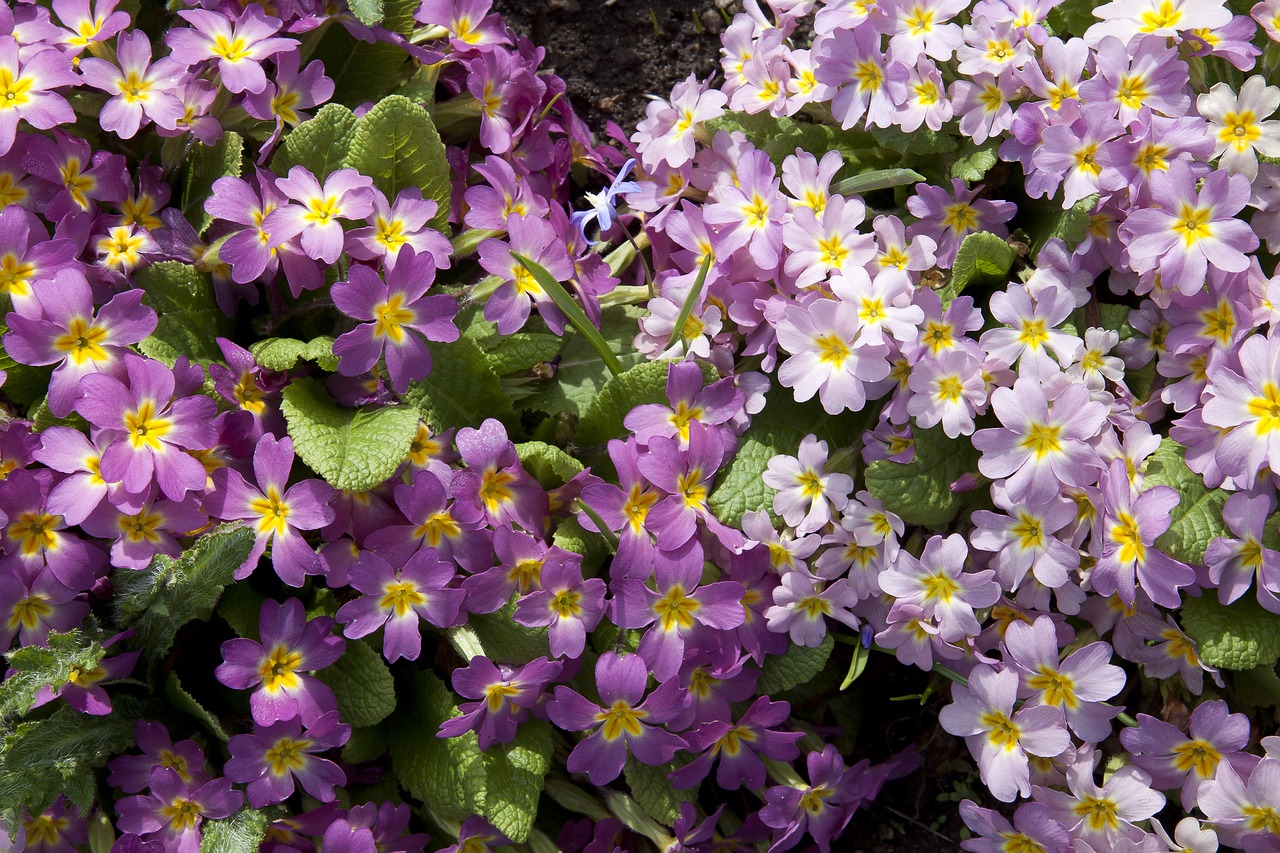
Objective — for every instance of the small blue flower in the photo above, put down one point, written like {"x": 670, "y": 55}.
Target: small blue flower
{"x": 602, "y": 203}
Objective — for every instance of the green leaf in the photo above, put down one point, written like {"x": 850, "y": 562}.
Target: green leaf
{"x": 205, "y": 166}
{"x": 361, "y": 72}
{"x": 190, "y": 320}
{"x": 365, "y": 744}
{"x": 172, "y": 591}
{"x": 877, "y": 179}
{"x": 919, "y": 491}
{"x": 572, "y": 536}
{"x": 1197, "y": 519}
{"x": 447, "y": 774}
{"x": 653, "y": 791}
{"x": 1239, "y": 635}
{"x": 52, "y": 665}
{"x": 780, "y": 137}
{"x": 974, "y": 161}
{"x": 798, "y": 665}
{"x": 353, "y": 449}
{"x": 368, "y": 12}
{"x": 23, "y": 384}
{"x": 581, "y": 374}
{"x": 690, "y": 300}
{"x": 1259, "y": 687}
{"x": 462, "y": 389}
{"x": 182, "y": 700}
{"x": 518, "y": 352}
{"x": 319, "y": 144}
{"x": 396, "y": 144}
{"x": 243, "y": 832}
{"x": 572, "y": 310}
{"x": 983, "y": 258}
{"x": 858, "y": 663}
{"x": 58, "y": 755}
{"x": 644, "y": 383}
{"x": 919, "y": 141}
{"x": 362, "y": 684}
{"x": 1047, "y": 220}
{"x": 285, "y": 353}
{"x": 778, "y": 429}
{"x": 547, "y": 464}
{"x": 241, "y": 606}
{"x": 507, "y": 641}
{"x": 515, "y": 773}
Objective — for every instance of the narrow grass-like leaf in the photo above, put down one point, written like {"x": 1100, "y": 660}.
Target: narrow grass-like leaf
{"x": 572, "y": 310}
{"x": 686, "y": 309}
{"x": 879, "y": 179}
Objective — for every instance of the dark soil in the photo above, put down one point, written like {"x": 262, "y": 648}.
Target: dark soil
{"x": 611, "y": 55}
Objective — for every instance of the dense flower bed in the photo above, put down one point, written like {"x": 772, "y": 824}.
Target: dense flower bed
{"x": 391, "y": 465}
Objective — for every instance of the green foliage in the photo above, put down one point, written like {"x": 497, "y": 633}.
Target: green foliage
{"x": 205, "y": 166}
{"x": 447, "y": 774}
{"x": 241, "y": 607}
{"x": 581, "y": 375}
{"x": 353, "y": 449}
{"x": 361, "y": 72}
{"x": 857, "y": 664}
{"x": 518, "y": 352}
{"x": 505, "y": 640}
{"x": 514, "y": 773}
{"x": 877, "y": 179}
{"x": 285, "y": 353}
{"x": 190, "y": 320}
{"x": 368, "y": 12}
{"x": 919, "y": 141}
{"x": 462, "y": 389}
{"x": 1197, "y": 519}
{"x": 796, "y": 666}
{"x": 602, "y": 420}
{"x": 23, "y": 384}
{"x": 778, "y": 429}
{"x": 58, "y": 755}
{"x": 653, "y": 791}
{"x": 366, "y": 744}
{"x": 1240, "y": 635}
{"x": 547, "y": 464}
{"x": 397, "y": 145}
{"x": 362, "y": 684}
{"x": 780, "y": 137}
{"x": 243, "y": 832}
{"x": 974, "y": 161}
{"x": 572, "y": 536}
{"x": 1259, "y": 687}
{"x": 172, "y": 591}
{"x": 182, "y": 700}
{"x": 983, "y": 258}
{"x": 919, "y": 491}
{"x": 319, "y": 144}
{"x": 53, "y": 665}
{"x": 1046, "y": 219}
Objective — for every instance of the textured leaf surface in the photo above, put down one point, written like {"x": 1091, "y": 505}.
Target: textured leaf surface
{"x": 796, "y": 666}
{"x": 319, "y": 144}
{"x": 206, "y": 165}
{"x": 780, "y": 137}
{"x": 172, "y": 591}
{"x": 514, "y": 774}
{"x": 507, "y": 641}
{"x": 397, "y": 145}
{"x": 547, "y": 464}
{"x": 362, "y": 684}
{"x": 285, "y": 353}
{"x": 581, "y": 374}
{"x": 241, "y": 833}
{"x": 369, "y": 12}
{"x": 644, "y": 383}
{"x": 973, "y": 161}
{"x": 1240, "y": 635}
{"x": 1048, "y": 220}
{"x": 189, "y": 317}
{"x": 462, "y": 389}
{"x": 447, "y": 774}
{"x": 1197, "y": 519}
{"x": 518, "y": 352}
{"x": 919, "y": 491}
{"x": 182, "y": 700}
{"x": 353, "y": 449}
{"x": 982, "y": 258}
{"x": 33, "y": 667}
{"x": 652, "y": 790}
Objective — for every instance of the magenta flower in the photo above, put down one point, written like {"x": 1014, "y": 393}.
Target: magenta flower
{"x": 26, "y": 82}
{"x": 495, "y": 485}
{"x": 686, "y": 477}
{"x": 138, "y": 88}
{"x": 629, "y": 722}
{"x": 625, "y": 508}
{"x": 1177, "y": 759}
{"x": 1188, "y": 229}
{"x": 132, "y": 773}
{"x": 505, "y": 694}
{"x": 400, "y": 599}
{"x": 36, "y": 539}
{"x": 398, "y": 317}
{"x": 739, "y": 747}
{"x": 1233, "y": 563}
{"x": 32, "y": 605}
{"x": 154, "y": 430}
{"x": 568, "y": 606}
{"x": 270, "y": 758}
{"x": 820, "y": 809}
{"x": 238, "y": 45}
{"x": 152, "y": 529}
{"x": 397, "y": 225}
{"x": 172, "y": 811}
{"x": 277, "y": 667}
{"x": 292, "y": 91}
{"x": 426, "y": 506}
{"x": 344, "y": 194}
{"x": 718, "y": 403}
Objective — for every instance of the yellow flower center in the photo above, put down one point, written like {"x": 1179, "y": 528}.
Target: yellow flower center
{"x": 1199, "y": 755}
{"x": 14, "y": 91}
{"x": 1161, "y": 18}
{"x": 438, "y": 527}
{"x": 232, "y": 50}
{"x": 277, "y": 669}
{"x": 1003, "y": 732}
{"x": 29, "y": 612}
{"x": 35, "y": 531}
{"x": 832, "y": 350}
{"x": 1042, "y": 439}
{"x": 391, "y": 317}
{"x": 183, "y": 814}
{"x": 675, "y": 609}
{"x": 1125, "y": 533}
{"x": 1192, "y": 224}
{"x": 620, "y": 718}
{"x": 494, "y": 489}
{"x": 1058, "y": 687}
{"x": 82, "y": 341}
{"x": 286, "y": 756}
{"x": 1099, "y": 813}
{"x": 401, "y": 597}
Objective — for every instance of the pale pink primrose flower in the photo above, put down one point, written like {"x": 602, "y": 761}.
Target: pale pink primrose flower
{"x": 1237, "y": 124}
{"x": 806, "y": 492}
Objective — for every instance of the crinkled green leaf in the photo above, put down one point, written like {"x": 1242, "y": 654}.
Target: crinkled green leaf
{"x": 362, "y": 684}
{"x": 285, "y": 353}
{"x": 572, "y": 536}
{"x": 1239, "y": 635}
{"x": 777, "y": 430}
{"x": 365, "y": 744}
{"x": 515, "y": 773}
{"x": 919, "y": 141}
{"x": 796, "y": 666}
{"x": 190, "y": 320}
{"x": 919, "y": 491}
{"x": 182, "y": 700}
{"x": 361, "y": 71}
{"x": 368, "y": 12}
{"x": 23, "y": 383}
{"x": 983, "y": 258}
{"x": 1197, "y": 519}
{"x": 580, "y": 374}
{"x": 243, "y": 832}
{"x": 172, "y": 591}
{"x": 447, "y": 774}
{"x": 547, "y": 464}
{"x": 204, "y": 167}
{"x": 51, "y": 665}
{"x": 1259, "y": 687}
{"x": 780, "y": 137}
{"x": 518, "y": 352}
{"x": 651, "y": 788}
{"x": 462, "y": 389}
{"x": 974, "y": 161}
{"x": 1047, "y": 220}
{"x": 241, "y": 606}
{"x": 59, "y": 755}
{"x": 644, "y": 383}
{"x": 506, "y": 641}
{"x": 352, "y": 449}
{"x": 397, "y": 145}
{"x": 319, "y": 144}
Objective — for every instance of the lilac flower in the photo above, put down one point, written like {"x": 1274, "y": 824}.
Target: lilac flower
{"x": 1032, "y": 828}
{"x": 806, "y": 493}
{"x": 625, "y": 724}
{"x": 686, "y": 478}
{"x": 345, "y": 194}
{"x": 1243, "y": 810}
{"x": 665, "y": 135}
{"x": 1165, "y": 18}
{"x": 825, "y": 242}
{"x": 1249, "y": 401}
{"x": 938, "y": 583}
{"x": 1175, "y": 759}
{"x": 152, "y": 529}
{"x": 173, "y": 811}
{"x": 26, "y": 82}
{"x": 398, "y": 599}
{"x": 801, "y": 604}
{"x": 947, "y": 218}
{"x": 154, "y": 430}
{"x": 871, "y": 85}
{"x": 59, "y": 326}
{"x": 827, "y": 357}
{"x": 277, "y": 667}
{"x": 270, "y": 758}
{"x": 625, "y": 508}
{"x": 132, "y": 773}
{"x": 690, "y": 402}
{"x": 396, "y": 225}
{"x": 819, "y": 808}
{"x": 283, "y": 100}
{"x": 1189, "y": 229}
{"x": 425, "y": 504}
{"x": 396, "y": 312}
{"x": 33, "y": 604}
{"x": 1025, "y": 540}
{"x": 947, "y": 390}
{"x": 739, "y": 747}
{"x": 278, "y": 514}
{"x": 510, "y": 304}
{"x": 27, "y": 254}
{"x": 1000, "y": 738}
{"x": 1149, "y": 75}
{"x": 505, "y": 694}
{"x": 1233, "y": 563}
{"x": 568, "y": 606}
{"x": 1031, "y": 333}
{"x": 751, "y": 211}
{"x": 1102, "y": 814}
{"x": 239, "y": 45}
{"x": 138, "y": 88}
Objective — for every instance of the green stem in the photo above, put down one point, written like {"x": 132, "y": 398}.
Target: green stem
{"x": 572, "y": 310}
{"x": 695, "y": 292}
{"x": 601, "y": 527}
